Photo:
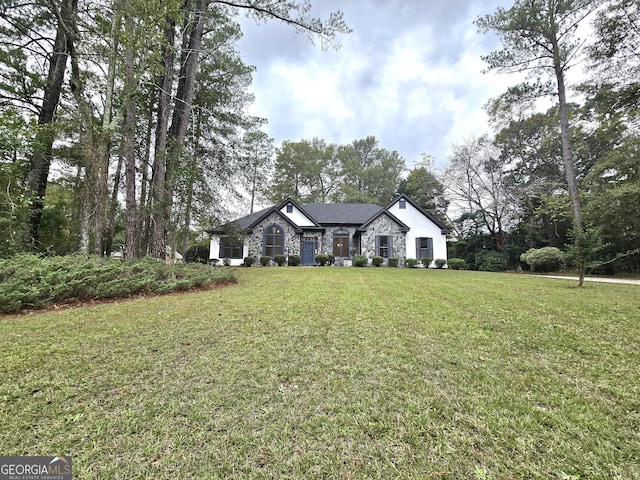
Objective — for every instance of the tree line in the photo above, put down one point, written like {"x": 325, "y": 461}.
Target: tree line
{"x": 139, "y": 101}
{"x": 568, "y": 176}
{"x": 140, "y": 107}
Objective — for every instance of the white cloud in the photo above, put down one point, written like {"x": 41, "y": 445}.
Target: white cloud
{"x": 409, "y": 74}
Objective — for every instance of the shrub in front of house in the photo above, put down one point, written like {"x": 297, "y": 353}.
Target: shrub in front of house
{"x": 248, "y": 261}
{"x": 360, "y": 261}
{"x": 545, "y": 259}
{"x": 331, "y": 259}
{"x": 377, "y": 261}
{"x": 411, "y": 263}
{"x": 393, "y": 262}
{"x": 322, "y": 259}
{"x": 265, "y": 260}
{"x": 457, "y": 263}
{"x": 197, "y": 254}
{"x": 440, "y": 262}
{"x": 226, "y": 262}
{"x": 280, "y": 260}
{"x": 426, "y": 261}
{"x": 294, "y": 260}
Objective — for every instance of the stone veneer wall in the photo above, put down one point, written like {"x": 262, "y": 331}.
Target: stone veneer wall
{"x": 291, "y": 238}
{"x": 327, "y": 240}
{"x": 383, "y": 225}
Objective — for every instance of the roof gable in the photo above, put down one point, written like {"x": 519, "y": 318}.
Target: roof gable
{"x": 404, "y": 228}
{"x": 443, "y": 228}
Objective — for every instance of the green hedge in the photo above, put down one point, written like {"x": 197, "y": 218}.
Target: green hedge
{"x": 545, "y": 259}
{"x": 457, "y": 263}
{"x": 28, "y": 281}
{"x": 411, "y": 263}
{"x": 360, "y": 261}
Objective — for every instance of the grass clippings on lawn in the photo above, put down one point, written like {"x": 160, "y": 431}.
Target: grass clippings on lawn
{"x": 337, "y": 373}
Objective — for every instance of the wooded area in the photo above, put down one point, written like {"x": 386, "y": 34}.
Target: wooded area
{"x": 124, "y": 126}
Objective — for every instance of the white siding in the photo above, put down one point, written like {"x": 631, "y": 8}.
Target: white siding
{"x": 420, "y": 226}
{"x": 297, "y": 217}
{"x": 214, "y": 251}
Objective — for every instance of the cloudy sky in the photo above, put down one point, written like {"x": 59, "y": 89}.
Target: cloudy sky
{"x": 410, "y": 74}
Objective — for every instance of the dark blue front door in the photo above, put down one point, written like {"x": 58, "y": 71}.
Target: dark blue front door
{"x": 308, "y": 252}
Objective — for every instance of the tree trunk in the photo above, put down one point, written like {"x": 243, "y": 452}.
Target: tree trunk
{"x": 130, "y": 146}
{"x": 567, "y": 153}
{"x": 38, "y": 175}
{"x": 113, "y": 208}
{"x": 144, "y": 220}
{"x": 158, "y": 247}
{"x": 191, "y": 45}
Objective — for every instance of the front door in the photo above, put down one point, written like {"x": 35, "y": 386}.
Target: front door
{"x": 308, "y": 252}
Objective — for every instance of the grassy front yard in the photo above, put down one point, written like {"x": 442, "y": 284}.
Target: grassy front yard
{"x": 334, "y": 373}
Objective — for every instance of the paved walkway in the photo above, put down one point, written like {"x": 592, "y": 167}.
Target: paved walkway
{"x": 627, "y": 281}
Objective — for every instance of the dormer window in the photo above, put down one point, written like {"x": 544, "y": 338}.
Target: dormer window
{"x": 402, "y": 204}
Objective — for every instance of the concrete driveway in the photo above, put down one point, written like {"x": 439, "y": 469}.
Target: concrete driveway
{"x": 627, "y": 281}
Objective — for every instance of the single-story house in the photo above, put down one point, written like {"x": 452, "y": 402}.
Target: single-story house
{"x": 402, "y": 230}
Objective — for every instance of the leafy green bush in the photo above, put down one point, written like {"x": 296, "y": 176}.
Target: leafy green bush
{"x": 265, "y": 260}
{"x": 546, "y": 259}
{"x": 294, "y": 260}
{"x": 28, "y": 281}
{"x": 393, "y": 262}
{"x": 440, "y": 262}
{"x": 248, "y": 261}
{"x": 360, "y": 261}
{"x": 197, "y": 254}
{"x": 457, "y": 263}
{"x": 491, "y": 261}
{"x": 331, "y": 259}
{"x": 280, "y": 260}
{"x": 377, "y": 261}
{"x": 411, "y": 263}
{"x": 226, "y": 262}
{"x": 426, "y": 261}
{"x": 322, "y": 259}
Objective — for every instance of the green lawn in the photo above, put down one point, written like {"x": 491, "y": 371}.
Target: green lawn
{"x": 334, "y": 373}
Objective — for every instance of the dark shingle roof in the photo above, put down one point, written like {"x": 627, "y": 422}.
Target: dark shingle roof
{"x": 341, "y": 213}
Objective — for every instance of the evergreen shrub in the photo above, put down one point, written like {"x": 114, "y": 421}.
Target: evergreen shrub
{"x": 265, "y": 260}
{"x": 294, "y": 260}
{"x": 545, "y": 259}
{"x": 440, "y": 262}
{"x": 411, "y": 263}
{"x": 248, "y": 261}
{"x": 491, "y": 261}
{"x": 280, "y": 260}
{"x": 360, "y": 261}
{"x": 457, "y": 263}
{"x": 426, "y": 261}
{"x": 197, "y": 254}
{"x": 28, "y": 281}
{"x": 378, "y": 261}
{"x": 322, "y": 259}
{"x": 393, "y": 262}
